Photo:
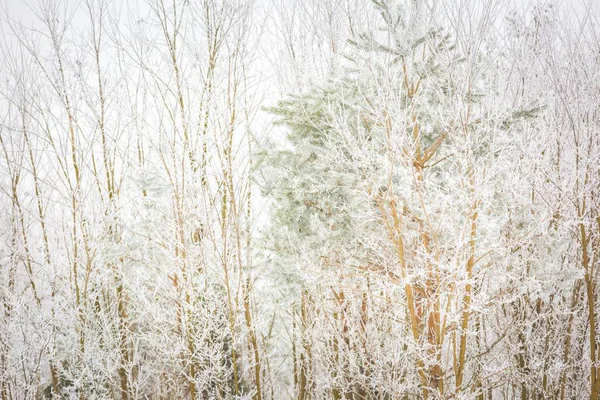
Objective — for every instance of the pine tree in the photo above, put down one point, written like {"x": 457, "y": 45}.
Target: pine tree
{"x": 391, "y": 174}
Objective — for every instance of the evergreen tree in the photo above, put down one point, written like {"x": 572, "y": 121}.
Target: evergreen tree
{"x": 392, "y": 173}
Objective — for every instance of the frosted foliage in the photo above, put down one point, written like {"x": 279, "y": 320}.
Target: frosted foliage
{"x": 299, "y": 199}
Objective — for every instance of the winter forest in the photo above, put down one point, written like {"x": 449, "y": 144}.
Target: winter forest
{"x": 300, "y": 199}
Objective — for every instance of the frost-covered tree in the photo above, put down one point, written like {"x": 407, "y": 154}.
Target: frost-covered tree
{"x": 559, "y": 342}
{"x": 126, "y": 162}
{"x": 394, "y": 174}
